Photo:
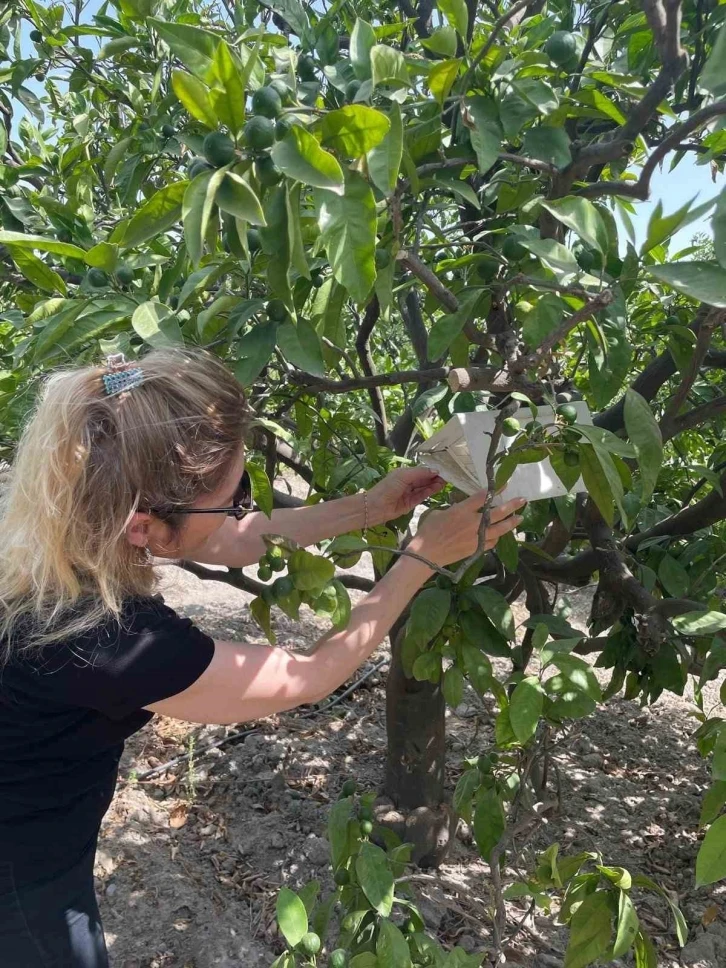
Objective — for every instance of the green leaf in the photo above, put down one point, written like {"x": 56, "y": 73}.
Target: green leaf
{"x": 338, "y": 833}
{"x": 495, "y": 607}
{"x": 362, "y": 41}
{"x": 428, "y": 613}
{"x": 447, "y": 327}
{"x": 156, "y": 324}
{"x": 508, "y": 551}
{"x": 486, "y": 138}
{"x": 711, "y": 859}
{"x": 301, "y": 346}
{"x": 645, "y": 954}
{"x": 673, "y": 576}
{"x": 36, "y": 271}
{"x": 341, "y": 614}
{"x": 441, "y": 78}
{"x": 718, "y": 223}
{"x": 713, "y": 75}
{"x": 375, "y": 877}
{"x": 467, "y": 785}
{"x": 354, "y": 129}
{"x": 227, "y": 80}
{"x": 547, "y": 144}
{"x": 597, "y": 484}
{"x": 301, "y": 158}
{"x": 388, "y": 67}
{"x": 310, "y": 572}
{"x": 194, "y": 47}
{"x": 384, "y": 161}
{"x": 489, "y": 823}
{"x": 156, "y": 215}
{"x": 713, "y": 802}
{"x": 442, "y": 41}
{"x": 661, "y": 228}
{"x": 235, "y": 196}
{"x": 294, "y": 13}
{"x": 347, "y": 225}
{"x": 644, "y": 432}
{"x": 292, "y": 917}
{"x": 553, "y": 255}
{"x": 704, "y": 281}
{"x": 548, "y": 313}
{"x": 525, "y": 708}
{"x": 453, "y": 686}
{"x": 194, "y": 95}
{"x": 699, "y": 623}
{"x": 261, "y": 487}
{"x": 391, "y": 947}
{"x": 628, "y": 926}
{"x": 457, "y": 14}
{"x": 478, "y": 667}
{"x": 580, "y": 215}
{"x": 590, "y": 931}
{"x": 609, "y": 369}
{"x": 197, "y": 207}
{"x": 253, "y": 351}
{"x": 103, "y": 256}
{"x": 22, "y": 241}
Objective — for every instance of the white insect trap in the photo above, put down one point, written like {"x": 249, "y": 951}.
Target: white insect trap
{"x": 459, "y": 451}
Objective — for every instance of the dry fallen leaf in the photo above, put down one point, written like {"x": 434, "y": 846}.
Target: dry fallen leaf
{"x": 709, "y": 915}
{"x": 178, "y": 815}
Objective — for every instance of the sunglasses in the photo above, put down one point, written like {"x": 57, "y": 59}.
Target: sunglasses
{"x": 241, "y": 502}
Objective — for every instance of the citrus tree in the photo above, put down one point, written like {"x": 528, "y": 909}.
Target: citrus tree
{"x": 381, "y": 216}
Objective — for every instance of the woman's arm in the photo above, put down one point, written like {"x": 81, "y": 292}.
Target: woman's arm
{"x": 239, "y": 543}
{"x": 246, "y": 682}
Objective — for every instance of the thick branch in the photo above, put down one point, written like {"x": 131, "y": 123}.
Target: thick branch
{"x": 694, "y": 418}
{"x": 320, "y": 384}
{"x": 429, "y": 278}
{"x": 494, "y": 380}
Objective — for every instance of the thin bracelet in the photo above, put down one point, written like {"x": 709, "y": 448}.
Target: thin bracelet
{"x": 365, "y": 519}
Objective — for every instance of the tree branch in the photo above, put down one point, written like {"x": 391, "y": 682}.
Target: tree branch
{"x": 371, "y": 317}
{"x": 694, "y": 418}
{"x": 705, "y": 332}
{"x": 540, "y": 354}
{"x": 496, "y": 30}
{"x": 429, "y": 278}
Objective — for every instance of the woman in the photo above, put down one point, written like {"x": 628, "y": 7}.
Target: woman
{"x": 117, "y": 465}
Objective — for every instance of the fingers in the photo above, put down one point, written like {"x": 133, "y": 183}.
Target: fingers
{"x": 504, "y": 510}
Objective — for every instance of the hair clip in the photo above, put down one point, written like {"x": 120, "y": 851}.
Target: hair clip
{"x": 120, "y": 375}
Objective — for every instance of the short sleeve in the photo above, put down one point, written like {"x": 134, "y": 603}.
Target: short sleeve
{"x": 121, "y": 666}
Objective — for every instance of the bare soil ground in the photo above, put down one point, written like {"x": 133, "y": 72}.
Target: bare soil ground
{"x": 190, "y": 862}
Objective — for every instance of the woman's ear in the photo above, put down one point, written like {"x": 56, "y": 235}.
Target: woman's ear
{"x": 138, "y": 529}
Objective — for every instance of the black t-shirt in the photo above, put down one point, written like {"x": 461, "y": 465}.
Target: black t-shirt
{"x": 65, "y": 712}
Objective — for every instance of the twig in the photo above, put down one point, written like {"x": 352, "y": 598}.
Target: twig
{"x": 496, "y": 30}
{"x": 538, "y": 356}
{"x": 705, "y": 333}
{"x": 429, "y": 278}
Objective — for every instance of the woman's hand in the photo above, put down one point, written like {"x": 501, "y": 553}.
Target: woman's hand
{"x": 401, "y": 491}
{"x": 450, "y": 535}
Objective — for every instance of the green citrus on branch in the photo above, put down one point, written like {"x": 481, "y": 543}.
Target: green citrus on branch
{"x": 218, "y": 149}
{"x": 310, "y": 944}
{"x": 258, "y": 133}
{"x": 561, "y": 47}
{"x": 266, "y": 102}
{"x": 510, "y": 427}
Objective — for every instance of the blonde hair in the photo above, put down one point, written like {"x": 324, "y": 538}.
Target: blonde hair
{"x": 85, "y": 463}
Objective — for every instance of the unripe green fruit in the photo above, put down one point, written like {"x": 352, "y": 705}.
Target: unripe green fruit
{"x": 264, "y": 572}
{"x": 218, "y": 149}
{"x": 125, "y": 275}
{"x": 585, "y": 258}
{"x": 318, "y": 281}
{"x": 306, "y": 68}
{"x": 276, "y": 310}
{"x": 673, "y": 320}
{"x": 510, "y": 427}
{"x": 512, "y": 249}
{"x": 282, "y": 127}
{"x": 97, "y": 278}
{"x": 281, "y": 87}
{"x": 365, "y": 813}
{"x": 253, "y": 241}
{"x": 310, "y": 944}
{"x": 173, "y": 301}
{"x": 339, "y": 958}
{"x": 486, "y": 269}
{"x": 366, "y": 828}
{"x": 168, "y": 130}
{"x": 258, "y": 133}
{"x": 267, "y": 171}
{"x": 351, "y": 90}
{"x": 197, "y": 167}
{"x": 277, "y": 564}
{"x": 561, "y": 47}
{"x": 36, "y": 36}
{"x": 348, "y": 788}
{"x": 274, "y": 551}
{"x": 383, "y": 258}
{"x": 266, "y": 102}
{"x": 342, "y": 877}
{"x": 284, "y": 586}
{"x": 567, "y": 412}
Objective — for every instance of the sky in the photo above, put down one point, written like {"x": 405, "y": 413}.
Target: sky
{"x": 674, "y": 188}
